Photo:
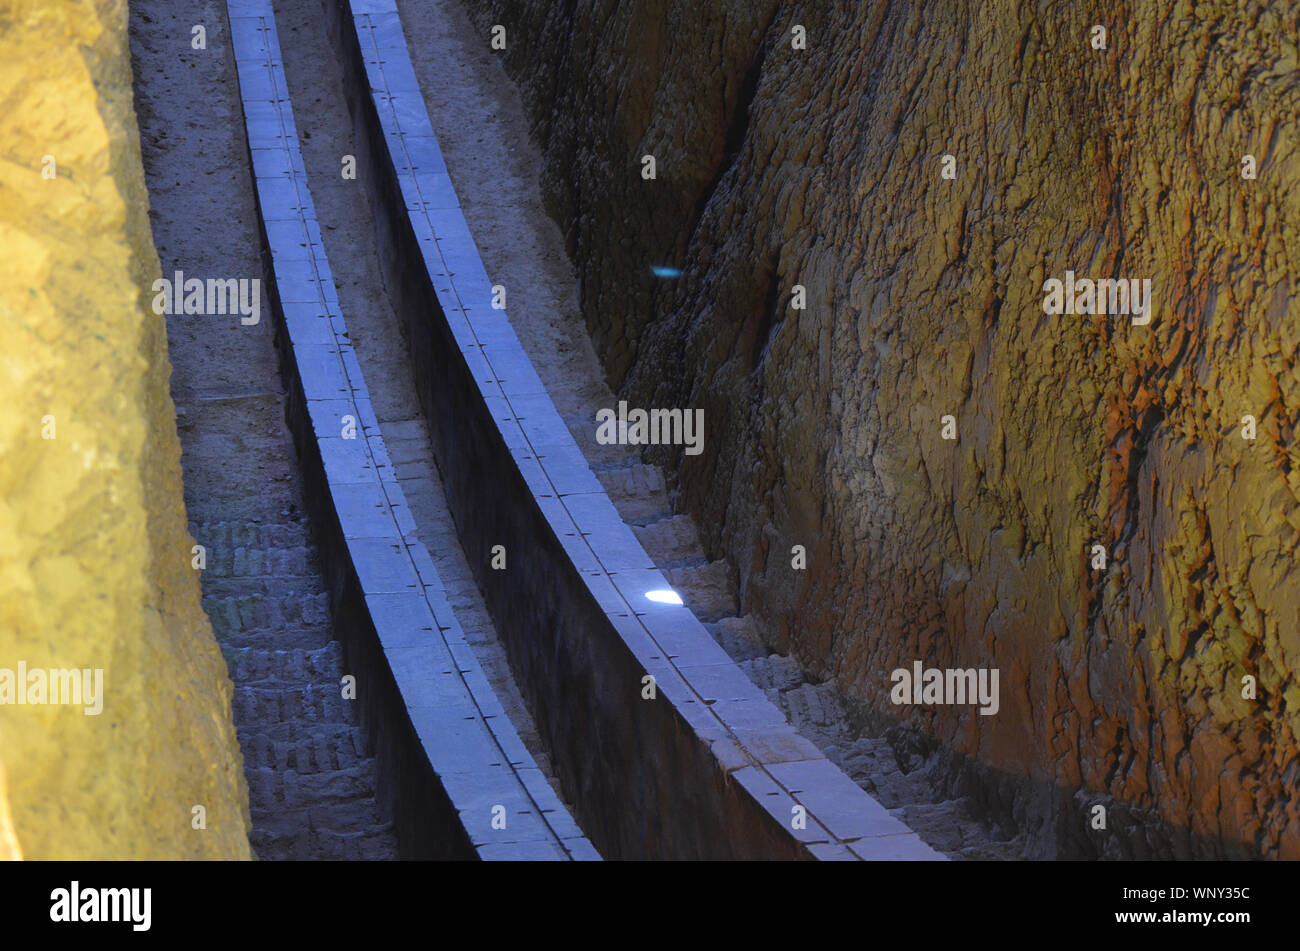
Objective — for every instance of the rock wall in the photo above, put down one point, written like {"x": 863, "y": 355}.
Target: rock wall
{"x": 95, "y": 562}
{"x": 822, "y": 167}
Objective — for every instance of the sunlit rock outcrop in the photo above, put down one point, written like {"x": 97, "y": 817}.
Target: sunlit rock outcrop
{"x": 95, "y": 558}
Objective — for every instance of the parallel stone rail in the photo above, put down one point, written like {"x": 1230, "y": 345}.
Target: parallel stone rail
{"x": 450, "y": 761}
{"x": 708, "y": 768}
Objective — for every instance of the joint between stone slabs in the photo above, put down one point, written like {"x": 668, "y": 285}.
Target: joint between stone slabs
{"x": 580, "y": 849}
{"x": 386, "y": 32}
{"x": 248, "y": 8}
{"x": 369, "y": 7}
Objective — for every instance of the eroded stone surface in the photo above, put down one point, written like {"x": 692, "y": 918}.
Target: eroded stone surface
{"x": 95, "y": 560}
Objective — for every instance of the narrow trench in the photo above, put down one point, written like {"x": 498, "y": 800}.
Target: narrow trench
{"x": 484, "y": 133}
{"x": 311, "y": 779}
{"x": 314, "y": 787}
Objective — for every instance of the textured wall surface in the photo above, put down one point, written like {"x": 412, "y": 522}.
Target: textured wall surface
{"x": 777, "y": 166}
{"x": 94, "y": 552}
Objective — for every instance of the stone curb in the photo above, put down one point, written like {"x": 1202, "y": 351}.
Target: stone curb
{"x": 449, "y": 758}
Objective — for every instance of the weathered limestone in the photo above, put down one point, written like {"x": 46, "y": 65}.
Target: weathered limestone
{"x": 95, "y": 558}
{"x": 822, "y": 167}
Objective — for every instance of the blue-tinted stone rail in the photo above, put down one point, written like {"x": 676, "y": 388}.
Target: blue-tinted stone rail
{"x": 709, "y": 768}
{"x": 448, "y": 756}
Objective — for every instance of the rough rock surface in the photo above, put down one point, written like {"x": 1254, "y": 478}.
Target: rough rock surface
{"x": 9, "y": 848}
{"x": 821, "y": 167}
{"x": 95, "y": 560}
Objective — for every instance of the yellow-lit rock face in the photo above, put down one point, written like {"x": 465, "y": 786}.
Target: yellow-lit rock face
{"x": 94, "y": 552}
{"x": 9, "y": 848}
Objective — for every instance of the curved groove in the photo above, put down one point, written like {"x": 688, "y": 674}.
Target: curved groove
{"x": 449, "y": 756}
{"x": 708, "y": 768}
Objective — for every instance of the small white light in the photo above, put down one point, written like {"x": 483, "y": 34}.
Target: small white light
{"x": 664, "y": 596}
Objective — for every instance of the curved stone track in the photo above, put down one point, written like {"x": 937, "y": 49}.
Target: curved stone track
{"x": 314, "y": 78}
